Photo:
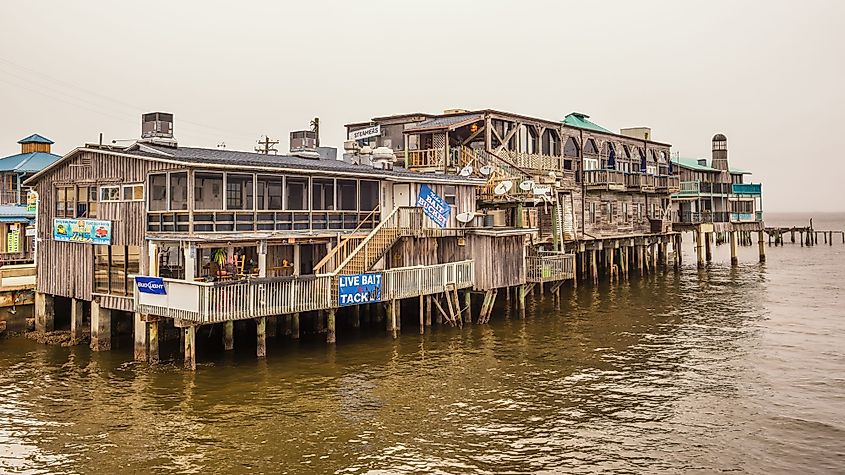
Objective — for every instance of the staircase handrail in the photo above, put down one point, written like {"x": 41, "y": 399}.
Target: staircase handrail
{"x": 392, "y": 218}
{"x": 344, "y": 244}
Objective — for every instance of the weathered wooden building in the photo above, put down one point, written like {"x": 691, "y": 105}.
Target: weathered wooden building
{"x": 714, "y": 198}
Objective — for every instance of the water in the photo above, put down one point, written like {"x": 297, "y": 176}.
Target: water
{"x": 739, "y": 370}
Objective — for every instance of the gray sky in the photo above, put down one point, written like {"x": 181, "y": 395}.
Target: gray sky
{"x": 767, "y": 74}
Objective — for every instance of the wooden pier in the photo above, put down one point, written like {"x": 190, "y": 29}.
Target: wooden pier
{"x": 804, "y": 235}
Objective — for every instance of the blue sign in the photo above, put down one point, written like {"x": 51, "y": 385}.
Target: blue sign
{"x": 82, "y": 230}
{"x": 151, "y": 285}
{"x": 434, "y": 206}
{"x": 358, "y": 289}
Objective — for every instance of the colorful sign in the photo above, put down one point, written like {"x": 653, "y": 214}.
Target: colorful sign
{"x": 358, "y": 289}
{"x": 434, "y": 206}
{"x": 82, "y": 230}
{"x": 360, "y": 134}
{"x": 31, "y": 201}
{"x": 150, "y": 285}
{"x": 13, "y": 241}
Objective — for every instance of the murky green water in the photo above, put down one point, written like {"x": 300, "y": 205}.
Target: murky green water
{"x": 721, "y": 370}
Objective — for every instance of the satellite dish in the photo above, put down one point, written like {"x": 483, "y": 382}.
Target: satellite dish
{"x": 465, "y": 217}
{"x": 503, "y": 187}
{"x": 526, "y": 185}
{"x": 486, "y": 170}
{"x": 466, "y": 171}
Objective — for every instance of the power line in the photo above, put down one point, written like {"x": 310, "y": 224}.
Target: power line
{"x": 267, "y": 146}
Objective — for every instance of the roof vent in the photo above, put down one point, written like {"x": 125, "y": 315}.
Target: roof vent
{"x": 702, "y": 162}
{"x": 303, "y": 141}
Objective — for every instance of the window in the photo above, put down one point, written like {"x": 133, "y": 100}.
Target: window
{"x": 625, "y": 212}
{"x": 86, "y": 205}
{"x": 133, "y": 192}
{"x": 450, "y": 194}
{"x": 113, "y": 268}
{"x": 369, "y": 195}
{"x": 178, "y": 191}
{"x": 591, "y": 148}
{"x": 591, "y": 164}
{"x": 347, "y": 195}
{"x": 269, "y": 194}
{"x": 208, "y": 190}
{"x": 296, "y": 193}
{"x": 610, "y": 211}
{"x": 158, "y": 192}
{"x": 239, "y": 192}
{"x": 322, "y": 194}
{"x": 592, "y": 214}
{"x": 110, "y": 193}
{"x": 570, "y": 149}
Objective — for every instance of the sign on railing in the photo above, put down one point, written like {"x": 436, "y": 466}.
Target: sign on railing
{"x": 358, "y": 289}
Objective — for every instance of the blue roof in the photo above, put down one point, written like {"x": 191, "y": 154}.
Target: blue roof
{"x": 15, "y": 214}
{"x": 35, "y": 138}
{"x": 31, "y": 162}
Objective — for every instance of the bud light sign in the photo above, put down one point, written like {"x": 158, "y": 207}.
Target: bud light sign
{"x": 358, "y": 289}
{"x": 151, "y": 285}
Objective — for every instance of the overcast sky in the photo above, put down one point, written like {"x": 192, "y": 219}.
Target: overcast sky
{"x": 769, "y": 74}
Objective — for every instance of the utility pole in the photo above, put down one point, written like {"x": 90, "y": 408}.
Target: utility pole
{"x": 267, "y": 146}
{"x": 315, "y": 127}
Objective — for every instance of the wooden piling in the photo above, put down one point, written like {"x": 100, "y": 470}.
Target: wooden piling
{"x": 154, "y": 355}
{"x": 189, "y": 350}
{"x": 228, "y": 335}
{"x": 331, "y": 335}
{"x": 734, "y": 250}
{"x": 761, "y": 247}
{"x": 422, "y": 315}
{"x": 294, "y": 326}
{"x": 521, "y": 299}
{"x": 467, "y": 306}
{"x": 261, "y": 337}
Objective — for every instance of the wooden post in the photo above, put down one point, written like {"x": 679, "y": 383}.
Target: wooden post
{"x": 141, "y": 337}
{"x": 321, "y": 324}
{"x": 422, "y": 315}
{"x": 228, "y": 335}
{"x": 594, "y": 267}
{"x": 356, "y": 317}
{"x": 734, "y": 250}
{"x": 272, "y": 326}
{"x": 611, "y": 266}
{"x": 76, "y": 324}
{"x": 189, "y": 349}
{"x": 699, "y": 247}
{"x": 45, "y": 315}
{"x": 428, "y": 310}
{"x": 261, "y": 337}
{"x": 467, "y": 306}
{"x": 294, "y": 326}
{"x": 331, "y": 336}
{"x": 707, "y": 250}
{"x": 153, "y": 335}
{"x": 100, "y": 327}
{"x": 521, "y": 301}
{"x": 761, "y": 247}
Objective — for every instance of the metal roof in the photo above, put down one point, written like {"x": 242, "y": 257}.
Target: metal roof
{"x": 32, "y": 162}
{"x": 577, "y": 119}
{"x": 15, "y": 214}
{"x": 35, "y": 138}
{"x": 444, "y": 122}
{"x": 210, "y": 157}
{"x": 692, "y": 164}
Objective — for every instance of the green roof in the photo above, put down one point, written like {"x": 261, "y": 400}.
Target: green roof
{"x": 692, "y": 164}
{"x": 35, "y": 138}
{"x": 577, "y": 119}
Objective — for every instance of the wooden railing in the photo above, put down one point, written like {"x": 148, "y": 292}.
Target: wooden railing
{"x": 547, "y": 267}
{"x": 534, "y": 161}
{"x": 345, "y": 247}
{"x": 203, "y": 302}
{"x": 613, "y": 179}
{"x": 427, "y": 158}
{"x": 667, "y": 183}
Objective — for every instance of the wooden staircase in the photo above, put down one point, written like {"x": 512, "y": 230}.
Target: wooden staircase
{"x": 346, "y": 246}
{"x": 401, "y": 222}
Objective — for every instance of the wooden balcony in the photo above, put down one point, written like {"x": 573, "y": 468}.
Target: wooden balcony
{"x": 534, "y": 161}
{"x": 640, "y": 182}
{"x": 605, "y": 179}
{"x": 667, "y": 184}
{"x": 202, "y": 302}
{"x": 547, "y": 267}
{"x": 426, "y": 159}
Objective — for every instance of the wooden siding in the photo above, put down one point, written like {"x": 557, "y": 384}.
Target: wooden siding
{"x": 66, "y": 268}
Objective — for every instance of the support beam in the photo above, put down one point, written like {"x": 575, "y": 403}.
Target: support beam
{"x": 331, "y": 335}
{"x": 761, "y": 247}
{"x": 294, "y": 326}
{"x": 734, "y": 248}
{"x": 141, "y": 337}
{"x": 272, "y": 326}
{"x": 77, "y": 329}
{"x": 261, "y": 337}
{"x": 45, "y": 314}
{"x": 708, "y": 251}
{"x": 467, "y": 306}
{"x": 100, "y": 327}
{"x": 521, "y": 299}
{"x": 154, "y": 354}
{"x": 699, "y": 247}
{"x": 428, "y": 310}
{"x": 189, "y": 350}
{"x": 228, "y": 335}
{"x": 422, "y": 314}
